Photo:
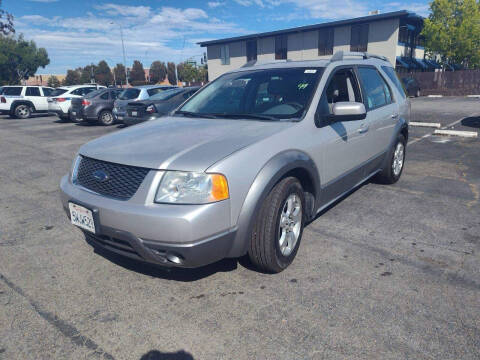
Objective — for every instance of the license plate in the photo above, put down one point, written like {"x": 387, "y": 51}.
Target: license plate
{"x": 82, "y": 217}
{"x": 134, "y": 113}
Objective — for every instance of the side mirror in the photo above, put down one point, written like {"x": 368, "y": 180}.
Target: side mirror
{"x": 348, "y": 111}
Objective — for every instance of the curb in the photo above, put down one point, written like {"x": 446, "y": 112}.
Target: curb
{"x": 425, "y": 124}
{"x": 467, "y": 134}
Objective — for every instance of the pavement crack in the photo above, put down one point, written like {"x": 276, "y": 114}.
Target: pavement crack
{"x": 68, "y": 330}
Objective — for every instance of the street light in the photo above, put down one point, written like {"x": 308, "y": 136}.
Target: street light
{"x": 123, "y": 48}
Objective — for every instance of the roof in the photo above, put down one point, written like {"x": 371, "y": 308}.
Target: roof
{"x": 369, "y": 18}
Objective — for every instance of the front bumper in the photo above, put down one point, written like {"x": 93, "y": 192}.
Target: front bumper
{"x": 165, "y": 234}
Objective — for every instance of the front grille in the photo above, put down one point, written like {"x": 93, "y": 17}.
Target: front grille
{"x": 121, "y": 181}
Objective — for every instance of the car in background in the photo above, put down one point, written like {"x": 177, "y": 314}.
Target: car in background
{"x": 135, "y": 93}
{"x": 60, "y": 100}
{"x": 96, "y": 106}
{"x": 412, "y": 88}
{"x": 157, "y": 105}
{"x": 22, "y": 101}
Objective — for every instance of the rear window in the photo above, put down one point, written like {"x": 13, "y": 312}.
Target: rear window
{"x": 152, "y": 92}
{"x": 32, "y": 91}
{"x": 94, "y": 93}
{"x": 47, "y": 91}
{"x": 396, "y": 81}
{"x": 58, "y": 92}
{"x": 129, "y": 94}
{"x": 13, "y": 91}
{"x": 165, "y": 95}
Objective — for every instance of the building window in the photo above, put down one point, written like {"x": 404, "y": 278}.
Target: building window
{"x": 403, "y": 34}
{"x": 280, "y": 47}
{"x": 359, "y": 38}
{"x": 325, "y": 41}
{"x": 251, "y": 50}
{"x": 225, "y": 54}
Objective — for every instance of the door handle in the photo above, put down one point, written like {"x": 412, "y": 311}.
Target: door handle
{"x": 363, "y": 129}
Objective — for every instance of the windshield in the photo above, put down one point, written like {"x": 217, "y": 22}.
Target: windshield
{"x": 129, "y": 94}
{"x": 94, "y": 93}
{"x": 272, "y": 94}
{"x": 165, "y": 95}
{"x": 58, "y": 91}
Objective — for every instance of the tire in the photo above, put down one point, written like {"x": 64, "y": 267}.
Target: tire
{"x": 106, "y": 118}
{"x": 265, "y": 251}
{"x": 22, "y": 111}
{"x": 393, "y": 166}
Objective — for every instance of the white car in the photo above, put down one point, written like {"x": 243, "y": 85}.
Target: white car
{"x": 60, "y": 100}
{"x": 21, "y": 101}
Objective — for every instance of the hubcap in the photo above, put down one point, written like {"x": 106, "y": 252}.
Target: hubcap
{"x": 398, "y": 159}
{"x": 290, "y": 224}
{"x": 107, "y": 118}
{"x": 22, "y": 110}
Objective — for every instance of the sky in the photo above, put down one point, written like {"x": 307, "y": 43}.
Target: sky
{"x": 79, "y": 32}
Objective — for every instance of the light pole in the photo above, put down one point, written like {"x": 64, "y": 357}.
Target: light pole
{"x": 123, "y": 48}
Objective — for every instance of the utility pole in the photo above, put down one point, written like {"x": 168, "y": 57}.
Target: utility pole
{"x": 123, "y": 49}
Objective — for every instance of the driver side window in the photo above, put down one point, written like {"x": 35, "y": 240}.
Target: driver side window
{"x": 343, "y": 86}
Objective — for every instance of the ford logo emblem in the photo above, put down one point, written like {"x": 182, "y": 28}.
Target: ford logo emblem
{"x": 100, "y": 176}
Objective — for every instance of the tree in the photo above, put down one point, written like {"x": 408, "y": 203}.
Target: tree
{"x": 452, "y": 31}
{"x": 119, "y": 71}
{"x": 72, "y": 78}
{"x": 19, "y": 59}
{"x": 53, "y": 81}
{"x": 172, "y": 78}
{"x": 137, "y": 74}
{"x": 6, "y": 22}
{"x": 158, "y": 72}
{"x": 87, "y": 73}
{"x": 103, "y": 74}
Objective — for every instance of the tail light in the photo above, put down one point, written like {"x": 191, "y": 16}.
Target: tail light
{"x": 3, "y": 100}
{"x": 60, "y": 99}
{"x": 150, "y": 109}
{"x": 85, "y": 102}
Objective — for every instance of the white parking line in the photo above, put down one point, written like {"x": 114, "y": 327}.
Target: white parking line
{"x": 469, "y": 134}
{"x": 425, "y": 124}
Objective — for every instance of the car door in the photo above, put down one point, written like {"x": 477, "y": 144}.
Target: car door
{"x": 33, "y": 94}
{"x": 382, "y": 113}
{"x": 341, "y": 144}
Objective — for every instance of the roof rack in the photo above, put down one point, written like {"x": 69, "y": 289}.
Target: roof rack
{"x": 257, "y": 63}
{"x": 340, "y": 55}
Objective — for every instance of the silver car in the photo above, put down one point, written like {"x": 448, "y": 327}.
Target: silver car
{"x": 132, "y": 94}
{"x": 244, "y": 164}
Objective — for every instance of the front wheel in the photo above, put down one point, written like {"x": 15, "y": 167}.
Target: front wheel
{"x": 394, "y": 163}
{"x": 22, "y": 111}
{"x": 106, "y": 118}
{"x": 278, "y": 228}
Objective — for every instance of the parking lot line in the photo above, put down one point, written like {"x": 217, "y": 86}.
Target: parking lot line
{"x": 426, "y": 124}
{"x": 469, "y": 134}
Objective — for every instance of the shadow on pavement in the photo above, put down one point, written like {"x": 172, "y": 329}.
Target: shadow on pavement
{"x": 471, "y": 122}
{"x": 157, "y": 355}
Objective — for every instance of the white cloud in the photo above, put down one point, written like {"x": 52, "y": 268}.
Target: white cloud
{"x": 44, "y": 1}
{"x": 215, "y": 4}
{"x": 125, "y": 10}
{"x": 422, "y": 9}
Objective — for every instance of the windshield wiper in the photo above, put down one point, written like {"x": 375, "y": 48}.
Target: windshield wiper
{"x": 248, "y": 116}
{"x": 196, "y": 115}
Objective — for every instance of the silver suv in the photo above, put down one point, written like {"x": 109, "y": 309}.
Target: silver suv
{"x": 244, "y": 164}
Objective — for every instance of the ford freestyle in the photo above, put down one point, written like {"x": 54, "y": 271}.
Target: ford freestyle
{"x": 242, "y": 165}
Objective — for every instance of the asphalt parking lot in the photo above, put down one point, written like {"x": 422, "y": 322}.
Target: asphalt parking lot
{"x": 389, "y": 272}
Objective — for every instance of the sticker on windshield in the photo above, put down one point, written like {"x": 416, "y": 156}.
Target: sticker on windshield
{"x": 302, "y": 86}
{"x": 310, "y": 71}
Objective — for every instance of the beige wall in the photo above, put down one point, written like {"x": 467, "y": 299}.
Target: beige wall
{"x": 382, "y": 40}
{"x": 403, "y": 51}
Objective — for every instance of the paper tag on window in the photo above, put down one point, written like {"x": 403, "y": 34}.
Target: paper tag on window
{"x": 310, "y": 71}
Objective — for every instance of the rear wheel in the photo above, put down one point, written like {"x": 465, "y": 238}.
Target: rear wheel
{"x": 278, "y": 228}
{"x": 106, "y": 118}
{"x": 22, "y": 111}
{"x": 394, "y": 165}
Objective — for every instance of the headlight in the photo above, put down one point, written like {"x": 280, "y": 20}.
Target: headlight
{"x": 74, "y": 170}
{"x": 178, "y": 187}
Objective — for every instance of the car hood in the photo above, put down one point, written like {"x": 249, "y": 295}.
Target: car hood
{"x": 179, "y": 143}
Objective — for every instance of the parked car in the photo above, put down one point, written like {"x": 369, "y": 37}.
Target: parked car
{"x": 60, "y": 101}
{"x": 133, "y": 94}
{"x": 23, "y": 101}
{"x": 96, "y": 106}
{"x": 242, "y": 165}
{"x": 157, "y": 105}
{"x": 411, "y": 86}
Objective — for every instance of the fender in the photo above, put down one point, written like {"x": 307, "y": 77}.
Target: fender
{"x": 21, "y": 102}
{"x": 400, "y": 128}
{"x": 272, "y": 172}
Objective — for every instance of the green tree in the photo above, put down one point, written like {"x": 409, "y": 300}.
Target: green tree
{"x": 72, "y": 78}
{"x": 137, "y": 74}
{"x": 103, "y": 74}
{"x": 87, "y": 73}
{"x": 119, "y": 71}
{"x": 53, "y": 81}
{"x": 172, "y": 78}
{"x": 452, "y": 31}
{"x": 158, "y": 72}
{"x": 20, "y": 59}
{"x": 187, "y": 72}
{"x": 6, "y": 22}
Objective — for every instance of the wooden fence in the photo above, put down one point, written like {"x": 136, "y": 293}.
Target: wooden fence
{"x": 448, "y": 83}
